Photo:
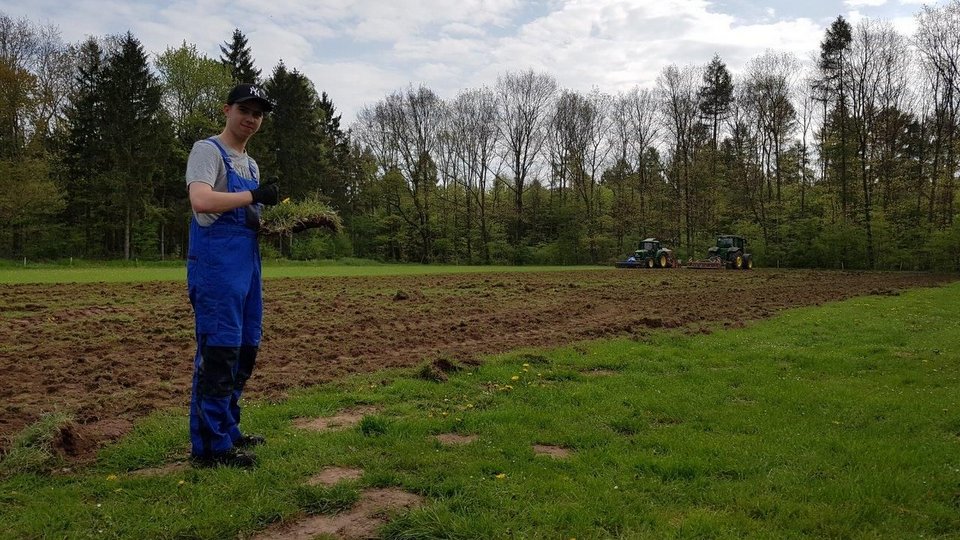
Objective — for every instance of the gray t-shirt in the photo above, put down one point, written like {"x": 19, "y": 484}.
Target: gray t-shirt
{"x": 206, "y": 165}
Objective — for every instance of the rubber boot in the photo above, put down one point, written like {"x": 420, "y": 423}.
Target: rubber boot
{"x": 211, "y": 422}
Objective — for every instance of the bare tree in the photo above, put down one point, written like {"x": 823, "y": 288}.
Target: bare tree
{"x": 807, "y": 108}
{"x": 876, "y": 86}
{"x": 746, "y": 152}
{"x": 473, "y": 120}
{"x": 621, "y": 137}
{"x": 645, "y": 128}
{"x": 938, "y": 42}
{"x": 524, "y": 100}
{"x": 582, "y": 122}
{"x": 36, "y": 70}
{"x": 403, "y": 131}
{"x": 677, "y": 89}
{"x": 769, "y": 85}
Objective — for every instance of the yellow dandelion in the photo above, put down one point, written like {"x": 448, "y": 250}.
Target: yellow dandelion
{"x": 526, "y": 365}
{"x": 501, "y": 476}
{"x": 111, "y": 477}
{"x": 286, "y": 201}
{"x": 182, "y": 482}
{"x": 515, "y": 378}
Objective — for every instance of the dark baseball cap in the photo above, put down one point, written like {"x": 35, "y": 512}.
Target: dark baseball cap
{"x": 247, "y": 92}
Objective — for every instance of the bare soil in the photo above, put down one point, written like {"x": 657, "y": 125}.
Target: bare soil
{"x": 371, "y": 512}
{"x": 455, "y": 439}
{"x": 334, "y": 475}
{"x": 556, "y": 452}
{"x": 112, "y": 353}
{"x": 341, "y": 420}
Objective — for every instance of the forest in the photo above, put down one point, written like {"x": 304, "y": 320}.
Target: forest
{"x": 845, "y": 159}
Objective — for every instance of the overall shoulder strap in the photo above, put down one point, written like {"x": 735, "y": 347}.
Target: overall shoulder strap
{"x": 223, "y": 152}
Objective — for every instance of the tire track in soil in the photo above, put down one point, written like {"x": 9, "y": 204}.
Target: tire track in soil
{"x": 116, "y": 352}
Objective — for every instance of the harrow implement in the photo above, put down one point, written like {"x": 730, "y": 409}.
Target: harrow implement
{"x": 713, "y": 263}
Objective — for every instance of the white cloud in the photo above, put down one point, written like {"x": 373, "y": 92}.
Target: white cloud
{"x": 359, "y": 50}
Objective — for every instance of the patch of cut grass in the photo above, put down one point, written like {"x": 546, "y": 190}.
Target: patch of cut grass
{"x": 834, "y": 421}
{"x": 32, "y": 450}
{"x": 147, "y": 271}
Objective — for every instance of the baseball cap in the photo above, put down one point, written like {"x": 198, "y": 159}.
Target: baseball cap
{"x": 247, "y": 92}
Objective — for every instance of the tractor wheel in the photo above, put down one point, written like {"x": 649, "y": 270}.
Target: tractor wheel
{"x": 650, "y": 262}
{"x": 749, "y": 264}
{"x": 738, "y": 262}
{"x": 663, "y": 260}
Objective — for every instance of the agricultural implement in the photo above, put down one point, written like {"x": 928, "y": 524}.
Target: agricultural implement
{"x": 650, "y": 254}
{"x": 730, "y": 252}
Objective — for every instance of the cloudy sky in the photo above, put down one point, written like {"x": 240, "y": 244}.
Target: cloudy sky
{"x": 360, "y": 50}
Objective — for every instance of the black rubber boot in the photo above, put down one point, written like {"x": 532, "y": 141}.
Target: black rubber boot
{"x": 249, "y": 441}
{"x": 230, "y": 458}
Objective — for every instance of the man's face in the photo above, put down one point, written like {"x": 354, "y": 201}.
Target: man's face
{"x": 244, "y": 119}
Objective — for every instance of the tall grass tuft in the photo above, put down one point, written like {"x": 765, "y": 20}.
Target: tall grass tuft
{"x": 33, "y": 449}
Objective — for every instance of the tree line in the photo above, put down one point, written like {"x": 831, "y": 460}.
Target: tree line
{"x": 845, "y": 160}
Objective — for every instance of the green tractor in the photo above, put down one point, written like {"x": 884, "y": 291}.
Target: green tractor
{"x": 730, "y": 252}
{"x": 650, "y": 254}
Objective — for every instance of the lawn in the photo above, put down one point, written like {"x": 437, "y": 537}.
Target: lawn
{"x": 176, "y": 271}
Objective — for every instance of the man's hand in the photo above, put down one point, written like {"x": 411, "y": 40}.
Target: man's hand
{"x": 268, "y": 193}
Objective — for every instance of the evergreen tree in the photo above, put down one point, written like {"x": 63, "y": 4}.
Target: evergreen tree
{"x": 335, "y": 171}
{"x": 291, "y": 146}
{"x": 832, "y": 87}
{"x": 84, "y": 153}
{"x": 136, "y": 136}
{"x": 716, "y": 94}
{"x": 236, "y": 56}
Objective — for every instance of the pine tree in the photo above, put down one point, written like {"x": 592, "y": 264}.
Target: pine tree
{"x": 84, "y": 155}
{"x": 832, "y": 88}
{"x": 291, "y": 145}
{"x": 716, "y": 94}
{"x": 136, "y": 136}
{"x": 336, "y": 155}
{"x": 237, "y": 57}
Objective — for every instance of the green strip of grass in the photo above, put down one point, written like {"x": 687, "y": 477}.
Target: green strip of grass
{"x": 837, "y": 421}
{"x": 285, "y": 269}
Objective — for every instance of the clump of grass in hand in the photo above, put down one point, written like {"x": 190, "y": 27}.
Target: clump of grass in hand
{"x": 33, "y": 450}
{"x": 291, "y": 217}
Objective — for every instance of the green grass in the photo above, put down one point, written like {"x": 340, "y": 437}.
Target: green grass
{"x": 838, "y": 421}
{"x": 176, "y": 271}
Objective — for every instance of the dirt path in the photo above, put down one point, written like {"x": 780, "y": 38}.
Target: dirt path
{"x": 112, "y": 353}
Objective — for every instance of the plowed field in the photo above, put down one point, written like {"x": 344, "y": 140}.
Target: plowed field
{"x": 111, "y": 353}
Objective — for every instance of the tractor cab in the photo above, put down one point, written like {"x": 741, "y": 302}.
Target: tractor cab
{"x": 649, "y": 245}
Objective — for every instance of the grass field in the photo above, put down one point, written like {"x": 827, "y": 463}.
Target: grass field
{"x": 834, "y": 421}
{"x": 114, "y": 273}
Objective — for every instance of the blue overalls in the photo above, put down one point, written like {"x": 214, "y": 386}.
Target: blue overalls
{"x": 224, "y": 285}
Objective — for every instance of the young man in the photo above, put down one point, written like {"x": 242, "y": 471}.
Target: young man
{"x": 223, "y": 278}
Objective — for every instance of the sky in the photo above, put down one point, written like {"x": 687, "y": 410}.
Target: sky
{"x": 358, "y": 51}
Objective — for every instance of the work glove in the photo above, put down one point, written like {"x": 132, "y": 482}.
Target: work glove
{"x": 267, "y": 194}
